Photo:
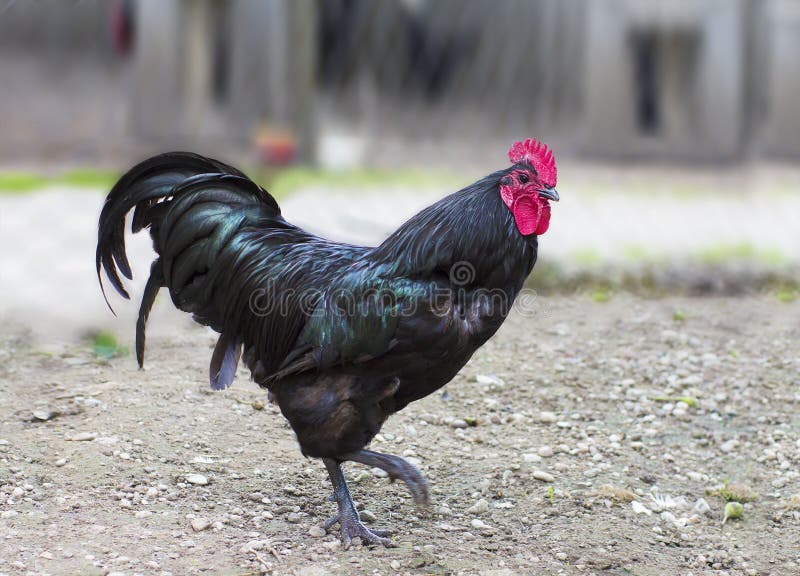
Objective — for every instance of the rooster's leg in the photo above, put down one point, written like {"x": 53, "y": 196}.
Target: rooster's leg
{"x": 397, "y": 468}
{"x": 348, "y": 517}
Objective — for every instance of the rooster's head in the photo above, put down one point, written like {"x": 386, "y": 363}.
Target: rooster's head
{"x": 529, "y": 185}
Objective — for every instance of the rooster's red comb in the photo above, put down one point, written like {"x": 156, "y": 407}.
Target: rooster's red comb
{"x": 538, "y": 155}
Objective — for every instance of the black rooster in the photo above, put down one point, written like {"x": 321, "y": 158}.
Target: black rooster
{"x": 342, "y": 336}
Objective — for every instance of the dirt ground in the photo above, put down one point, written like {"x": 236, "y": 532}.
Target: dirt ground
{"x": 562, "y": 448}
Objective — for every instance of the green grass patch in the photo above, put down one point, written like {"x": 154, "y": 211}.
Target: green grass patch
{"x": 105, "y": 346}
{"x": 21, "y": 182}
{"x": 688, "y": 400}
{"x": 18, "y": 182}
{"x": 280, "y": 183}
{"x": 733, "y": 492}
{"x": 586, "y": 257}
{"x": 601, "y": 294}
{"x": 743, "y": 251}
{"x": 786, "y": 295}
{"x": 86, "y": 178}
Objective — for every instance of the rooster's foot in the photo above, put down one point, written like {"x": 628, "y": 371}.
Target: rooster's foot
{"x": 348, "y": 517}
{"x": 352, "y": 528}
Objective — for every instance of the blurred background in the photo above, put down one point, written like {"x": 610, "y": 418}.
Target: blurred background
{"x": 676, "y": 125}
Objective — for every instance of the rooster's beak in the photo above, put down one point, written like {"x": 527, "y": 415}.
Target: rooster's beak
{"x": 549, "y": 193}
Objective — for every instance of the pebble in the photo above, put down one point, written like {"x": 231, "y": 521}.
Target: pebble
{"x": 458, "y": 423}
{"x": 316, "y": 532}
{"x": 531, "y": 458}
{"x": 545, "y": 451}
{"x": 395, "y": 564}
{"x": 489, "y": 380}
{"x": 60, "y": 462}
{"x": 480, "y": 507}
{"x": 547, "y": 417}
{"x": 479, "y": 524}
{"x": 368, "y": 516}
{"x": 701, "y": 507}
{"x": 200, "y": 524}
{"x": 253, "y": 546}
{"x": 83, "y": 437}
{"x": 43, "y": 415}
{"x": 379, "y": 473}
{"x": 197, "y": 479}
{"x": 543, "y": 476}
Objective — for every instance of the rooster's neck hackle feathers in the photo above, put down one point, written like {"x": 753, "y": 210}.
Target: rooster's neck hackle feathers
{"x": 471, "y": 226}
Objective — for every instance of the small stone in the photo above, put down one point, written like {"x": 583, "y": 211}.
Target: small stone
{"x": 197, "y": 479}
{"x": 459, "y": 423}
{"x": 480, "y": 507}
{"x": 478, "y": 524}
{"x": 316, "y": 532}
{"x": 395, "y": 564}
{"x": 489, "y": 380}
{"x": 83, "y": 437}
{"x": 640, "y": 508}
{"x": 547, "y": 417}
{"x": 379, "y": 473}
{"x": 531, "y": 458}
{"x": 43, "y": 415}
{"x": 152, "y": 492}
{"x": 545, "y": 451}
{"x": 200, "y": 524}
{"x": 293, "y": 518}
{"x": 543, "y": 476}
{"x": 143, "y": 514}
{"x": 368, "y": 516}
{"x": 701, "y": 507}
{"x": 729, "y": 446}
{"x": 18, "y": 492}
{"x": 60, "y": 462}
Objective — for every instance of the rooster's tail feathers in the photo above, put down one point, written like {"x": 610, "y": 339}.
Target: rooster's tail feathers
{"x": 192, "y": 205}
{"x": 148, "y": 187}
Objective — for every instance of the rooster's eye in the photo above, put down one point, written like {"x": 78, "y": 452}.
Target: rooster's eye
{"x": 523, "y": 178}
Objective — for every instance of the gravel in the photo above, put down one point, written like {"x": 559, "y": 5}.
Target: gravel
{"x": 601, "y": 452}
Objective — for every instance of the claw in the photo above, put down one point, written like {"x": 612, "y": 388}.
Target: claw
{"x": 355, "y": 528}
{"x": 352, "y": 528}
